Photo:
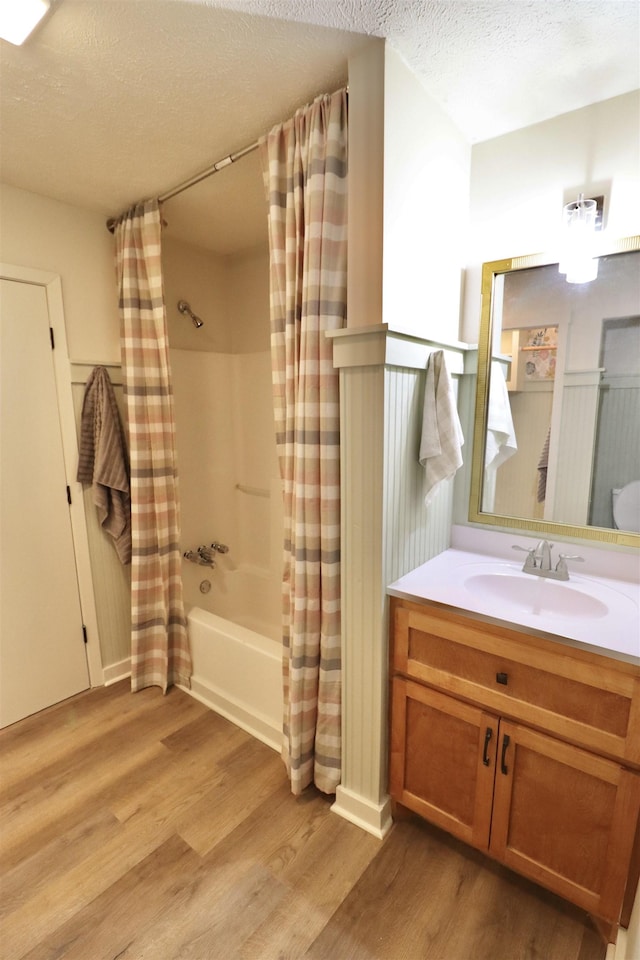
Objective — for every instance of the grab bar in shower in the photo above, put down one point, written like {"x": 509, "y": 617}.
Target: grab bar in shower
{"x": 253, "y": 491}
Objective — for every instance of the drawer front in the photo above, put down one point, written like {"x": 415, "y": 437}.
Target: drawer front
{"x": 581, "y": 703}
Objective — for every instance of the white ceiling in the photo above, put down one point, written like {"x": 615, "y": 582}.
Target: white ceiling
{"x": 112, "y": 101}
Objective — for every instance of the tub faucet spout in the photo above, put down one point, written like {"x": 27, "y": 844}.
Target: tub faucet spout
{"x": 202, "y": 559}
{"x": 206, "y": 556}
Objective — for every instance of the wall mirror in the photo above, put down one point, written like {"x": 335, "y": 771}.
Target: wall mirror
{"x": 557, "y": 421}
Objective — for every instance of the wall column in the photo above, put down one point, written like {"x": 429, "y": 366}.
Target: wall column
{"x": 386, "y": 531}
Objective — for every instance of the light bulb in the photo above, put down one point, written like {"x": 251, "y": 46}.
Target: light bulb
{"x": 18, "y": 18}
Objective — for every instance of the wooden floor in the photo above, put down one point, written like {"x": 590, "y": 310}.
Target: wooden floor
{"x": 143, "y": 827}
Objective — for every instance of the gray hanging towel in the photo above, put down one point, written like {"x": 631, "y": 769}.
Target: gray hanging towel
{"x": 104, "y": 462}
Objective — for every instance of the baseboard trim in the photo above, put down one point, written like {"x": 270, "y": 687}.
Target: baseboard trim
{"x": 116, "y": 671}
{"x": 375, "y": 818}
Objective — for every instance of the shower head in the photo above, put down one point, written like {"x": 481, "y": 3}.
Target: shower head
{"x": 186, "y": 310}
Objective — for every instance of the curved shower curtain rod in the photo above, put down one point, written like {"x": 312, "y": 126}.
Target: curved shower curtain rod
{"x": 219, "y": 165}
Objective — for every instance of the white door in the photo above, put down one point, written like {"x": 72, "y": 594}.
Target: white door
{"x": 42, "y": 650}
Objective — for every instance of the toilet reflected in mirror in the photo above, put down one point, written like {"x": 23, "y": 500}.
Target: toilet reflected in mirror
{"x": 626, "y": 507}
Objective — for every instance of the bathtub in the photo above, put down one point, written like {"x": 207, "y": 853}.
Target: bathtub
{"x": 238, "y": 673}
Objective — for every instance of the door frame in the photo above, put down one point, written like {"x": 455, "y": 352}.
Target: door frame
{"x": 52, "y": 284}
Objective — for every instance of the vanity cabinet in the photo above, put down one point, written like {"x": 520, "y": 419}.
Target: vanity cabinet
{"x": 522, "y": 747}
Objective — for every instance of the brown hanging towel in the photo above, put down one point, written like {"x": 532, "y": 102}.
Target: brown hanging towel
{"x": 104, "y": 461}
{"x": 543, "y": 464}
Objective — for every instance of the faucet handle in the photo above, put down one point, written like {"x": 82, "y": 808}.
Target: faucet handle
{"x": 563, "y": 557}
{"x": 531, "y": 553}
{"x": 561, "y": 565}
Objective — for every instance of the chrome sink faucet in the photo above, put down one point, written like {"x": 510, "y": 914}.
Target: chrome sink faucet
{"x": 543, "y": 555}
{"x": 539, "y": 564}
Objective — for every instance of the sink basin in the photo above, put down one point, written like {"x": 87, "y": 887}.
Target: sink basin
{"x": 536, "y": 595}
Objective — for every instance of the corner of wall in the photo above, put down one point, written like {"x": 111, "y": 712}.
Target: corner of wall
{"x": 366, "y": 185}
{"x": 427, "y": 163}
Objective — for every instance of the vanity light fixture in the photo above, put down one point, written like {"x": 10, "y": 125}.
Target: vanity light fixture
{"x": 579, "y": 221}
{"x": 18, "y": 18}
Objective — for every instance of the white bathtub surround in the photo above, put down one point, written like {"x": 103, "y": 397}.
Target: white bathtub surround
{"x": 386, "y": 532}
{"x": 227, "y": 462}
{"x": 238, "y": 673}
{"x": 240, "y": 592}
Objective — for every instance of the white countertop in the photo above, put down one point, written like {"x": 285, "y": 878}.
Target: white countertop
{"x": 602, "y": 615}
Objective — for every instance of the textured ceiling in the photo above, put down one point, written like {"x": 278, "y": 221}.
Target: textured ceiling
{"x": 494, "y": 65}
{"x": 111, "y": 101}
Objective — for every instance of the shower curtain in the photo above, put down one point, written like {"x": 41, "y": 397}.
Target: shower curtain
{"x": 159, "y": 644}
{"x": 305, "y": 172}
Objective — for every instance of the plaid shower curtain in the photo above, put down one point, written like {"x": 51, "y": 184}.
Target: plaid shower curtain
{"x": 159, "y": 644}
{"x": 305, "y": 172}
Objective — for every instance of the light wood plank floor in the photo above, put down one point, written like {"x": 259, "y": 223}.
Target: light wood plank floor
{"x": 143, "y": 827}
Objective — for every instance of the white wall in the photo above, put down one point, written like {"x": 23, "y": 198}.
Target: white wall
{"x": 366, "y": 187}
{"x": 520, "y": 182}
{"x": 47, "y": 235}
{"x": 426, "y": 196}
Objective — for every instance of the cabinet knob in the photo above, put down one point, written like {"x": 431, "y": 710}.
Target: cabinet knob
{"x": 502, "y": 678}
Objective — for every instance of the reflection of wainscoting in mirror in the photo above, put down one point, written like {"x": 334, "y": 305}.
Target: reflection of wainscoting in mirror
{"x": 617, "y": 447}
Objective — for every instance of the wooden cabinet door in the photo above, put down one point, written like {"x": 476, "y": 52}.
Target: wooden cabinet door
{"x": 564, "y": 817}
{"x": 443, "y": 754}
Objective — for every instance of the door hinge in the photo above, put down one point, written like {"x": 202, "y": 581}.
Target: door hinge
{"x": 52, "y": 338}
{"x": 84, "y": 633}
{"x": 69, "y": 495}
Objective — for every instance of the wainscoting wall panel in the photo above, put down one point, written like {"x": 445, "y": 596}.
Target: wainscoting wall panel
{"x": 569, "y": 477}
{"x": 111, "y": 581}
{"x": 616, "y": 458}
{"x": 386, "y": 531}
